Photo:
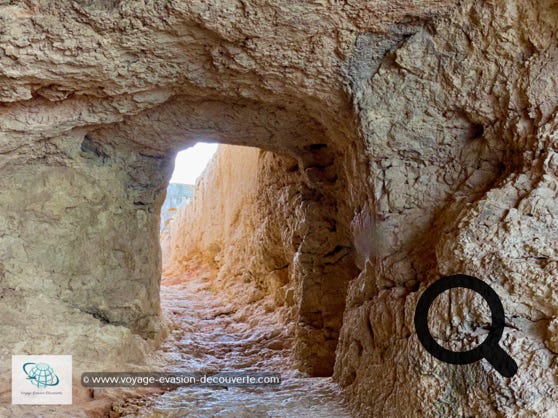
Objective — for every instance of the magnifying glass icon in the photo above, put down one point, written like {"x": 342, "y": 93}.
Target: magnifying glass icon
{"x": 489, "y": 348}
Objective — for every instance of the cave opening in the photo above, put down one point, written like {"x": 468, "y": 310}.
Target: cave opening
{"x": 230, "y": 291}
{"x": 261, "y": 231}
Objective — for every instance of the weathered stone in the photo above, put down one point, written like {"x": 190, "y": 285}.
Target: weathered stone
{"x": 429, "y": 128}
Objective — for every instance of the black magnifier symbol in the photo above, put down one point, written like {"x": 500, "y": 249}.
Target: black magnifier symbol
{"x": 489, "y": 348}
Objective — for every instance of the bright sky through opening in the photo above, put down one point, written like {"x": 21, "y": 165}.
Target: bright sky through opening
{"x": 190, "y": 163}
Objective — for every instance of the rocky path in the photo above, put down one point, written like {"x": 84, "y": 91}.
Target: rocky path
{"x": 211, "y": 335}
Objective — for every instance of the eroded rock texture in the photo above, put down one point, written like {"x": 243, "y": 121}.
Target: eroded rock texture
{"x": 459, "y": 118}
{"x": 424, "y": 136}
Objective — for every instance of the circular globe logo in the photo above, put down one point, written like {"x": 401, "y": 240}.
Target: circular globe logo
{"x": 40, "y": 374}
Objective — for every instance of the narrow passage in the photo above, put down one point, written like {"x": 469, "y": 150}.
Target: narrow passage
{"x": 211, "y": 335}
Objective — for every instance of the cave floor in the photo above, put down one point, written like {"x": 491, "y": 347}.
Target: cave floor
{"x": 210, "y": 334}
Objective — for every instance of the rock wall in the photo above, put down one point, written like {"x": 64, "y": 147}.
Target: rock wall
{"x": 425, "y": 139}
{"x": 227, "y": 193}
{"x": 75, "y": 223}
{"x": 459, "y": 118}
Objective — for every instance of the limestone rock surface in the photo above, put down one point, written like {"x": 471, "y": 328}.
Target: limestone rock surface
{"x": 402, "y": 141}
